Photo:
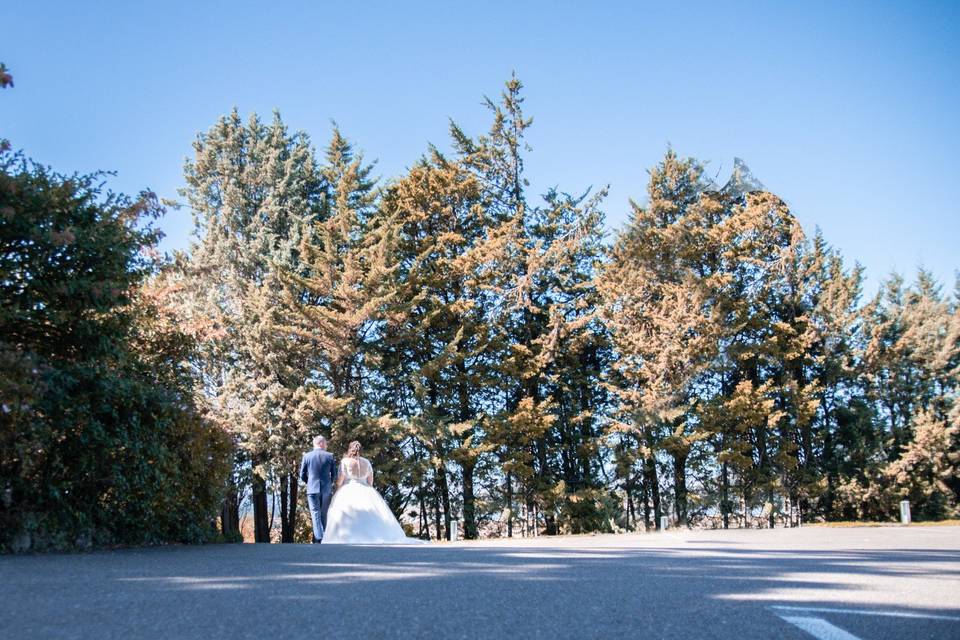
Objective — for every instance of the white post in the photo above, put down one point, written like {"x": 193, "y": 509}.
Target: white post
{"x": 905, "y": 512}
{"x": 454, "y": 525}
{"x": 663, "y": 523}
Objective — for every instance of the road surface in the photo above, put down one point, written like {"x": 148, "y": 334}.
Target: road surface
{"x": 824, "y": 583}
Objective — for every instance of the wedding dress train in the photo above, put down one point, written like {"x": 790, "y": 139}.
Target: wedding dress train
{"x": 358, "y": 514}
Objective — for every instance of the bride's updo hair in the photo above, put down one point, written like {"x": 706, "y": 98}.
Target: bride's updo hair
{"x": 353, "y": 451}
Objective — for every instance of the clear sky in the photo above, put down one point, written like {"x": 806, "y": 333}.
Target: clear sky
{"x": 849, "y": 111}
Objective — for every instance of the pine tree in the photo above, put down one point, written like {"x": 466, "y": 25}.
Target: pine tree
{"x": 333, "y": 309}
{"x": 659, "y": 315}
{"x": 496, "y": 161}
{"x": 925, "y": 469}
{"x": 911, "y": 355}
{"x": 436, "y": 343}
{"x": 536, "y": 266}
{"x": 253, "y": 190}
{"x": 573, "y": 353}
{"x": 843, "y": 439}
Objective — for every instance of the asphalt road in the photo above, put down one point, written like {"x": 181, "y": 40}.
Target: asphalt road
{"x": 836, "y": 584}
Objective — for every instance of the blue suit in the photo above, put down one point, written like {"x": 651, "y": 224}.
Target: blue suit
{"x": 319, "y": 470}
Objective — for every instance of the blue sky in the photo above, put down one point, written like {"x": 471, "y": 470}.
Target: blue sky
{"x": 849, "y": 112}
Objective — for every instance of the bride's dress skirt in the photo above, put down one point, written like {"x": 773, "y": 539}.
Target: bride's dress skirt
{"x": 358, "y": 515}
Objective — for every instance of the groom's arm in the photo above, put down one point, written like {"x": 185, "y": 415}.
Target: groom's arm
{"x": 334, "y": 469}
{"x": 303, "y": 469}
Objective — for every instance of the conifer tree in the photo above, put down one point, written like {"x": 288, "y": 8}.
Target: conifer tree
{"x": 911, "y": 355}
{"x": 911, "y": 371}
{"x": 659, "y": 314}
{"x": 536, "y": 265}
{"x": 436, "y": 342}
{"x": 496, "y": 160}
{"x": 333, "y": 306}
{"x": 253, "y": 189}
{"x": 843, "y": 435}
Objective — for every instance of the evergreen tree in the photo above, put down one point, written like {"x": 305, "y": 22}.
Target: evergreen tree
{"x": 334, "y": 308}
{"x": 254, "y": 190}
{"x": 659, "y": 314}
{"x": 536, "y": 265}
{"x": 436, "y": 344}
{"x": 844, "y": 438}
{"x": 100, "y": 441}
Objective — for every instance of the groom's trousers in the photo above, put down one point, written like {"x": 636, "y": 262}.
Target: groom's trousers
{"x": 317, "y": 513}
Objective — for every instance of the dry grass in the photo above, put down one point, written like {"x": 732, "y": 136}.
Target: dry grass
{"x": 845, "y": 524}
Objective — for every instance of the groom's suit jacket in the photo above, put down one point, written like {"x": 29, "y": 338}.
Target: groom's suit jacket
{"x": 319, "y": 471}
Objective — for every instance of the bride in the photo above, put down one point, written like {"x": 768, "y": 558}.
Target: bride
{"x": 357, "y": 513}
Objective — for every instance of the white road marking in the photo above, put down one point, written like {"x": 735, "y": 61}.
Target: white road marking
{"x": 868, "y": 612}
{"x": 819, "y": 628}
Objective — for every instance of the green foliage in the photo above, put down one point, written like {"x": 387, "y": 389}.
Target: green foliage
{"x": 6, "y": 80}
{"x": 734, "y": 331}
{"x": 501, "y": 363}
{"x": 99, "y": 441}
{"x": 504, "y": 366}
{"x": 255, "y": 190}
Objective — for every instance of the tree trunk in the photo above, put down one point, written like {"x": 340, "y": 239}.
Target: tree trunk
{"x": 650, "y": 477}
{"x": 273, "y": 510}
{"x": 423, "y": 521}
{"x": 680, "y": 487}
{"x": 445, "y": 499}
{"x": 261, "y": 518}
{"x": 436, "y": 508}
{"x": 230, "y": 513}
{"x": 464, "y": 414}
{"x": 725, "y": 495}
{"x": 469, "y": 513}
{"x": 294, "y": 501}
{"x": 509, "y": 505}
{"x": 230, "y": 518}
{"x": 284, "y": 519}
{"x": 549, "y": 519}
{"x": 530, "y": 517}
{"x": 645, "y": 497}
{"x": 829, "y": 457}
{"x": 771, "y": 519}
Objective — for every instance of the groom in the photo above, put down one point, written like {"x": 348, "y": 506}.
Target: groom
{"x": 319, "y": 472}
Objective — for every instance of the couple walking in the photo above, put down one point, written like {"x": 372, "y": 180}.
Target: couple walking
{"x": 344, "y": 506}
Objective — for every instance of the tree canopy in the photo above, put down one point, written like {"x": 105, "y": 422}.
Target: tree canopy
{"x": 504, "y": 364}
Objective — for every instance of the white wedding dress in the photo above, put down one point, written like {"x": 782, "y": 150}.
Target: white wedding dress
{"x": 357, "y": 513}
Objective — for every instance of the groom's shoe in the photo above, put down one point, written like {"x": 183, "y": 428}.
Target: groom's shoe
{"x": 317, "y": 540}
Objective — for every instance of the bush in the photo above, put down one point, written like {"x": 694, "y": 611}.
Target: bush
{"x": 99, "y": 444}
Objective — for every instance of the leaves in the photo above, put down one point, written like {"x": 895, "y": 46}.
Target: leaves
{"x": 100, "y": 440}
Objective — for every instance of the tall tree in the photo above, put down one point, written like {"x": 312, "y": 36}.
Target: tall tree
{"x": 334, "y": 307}
{"x": 436, "y": 347}
{"x": 842, "y": 429}
{"x": 536, "y": 264}
{"x": 657, "y": 307}
{"x": 254, "y": 189}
